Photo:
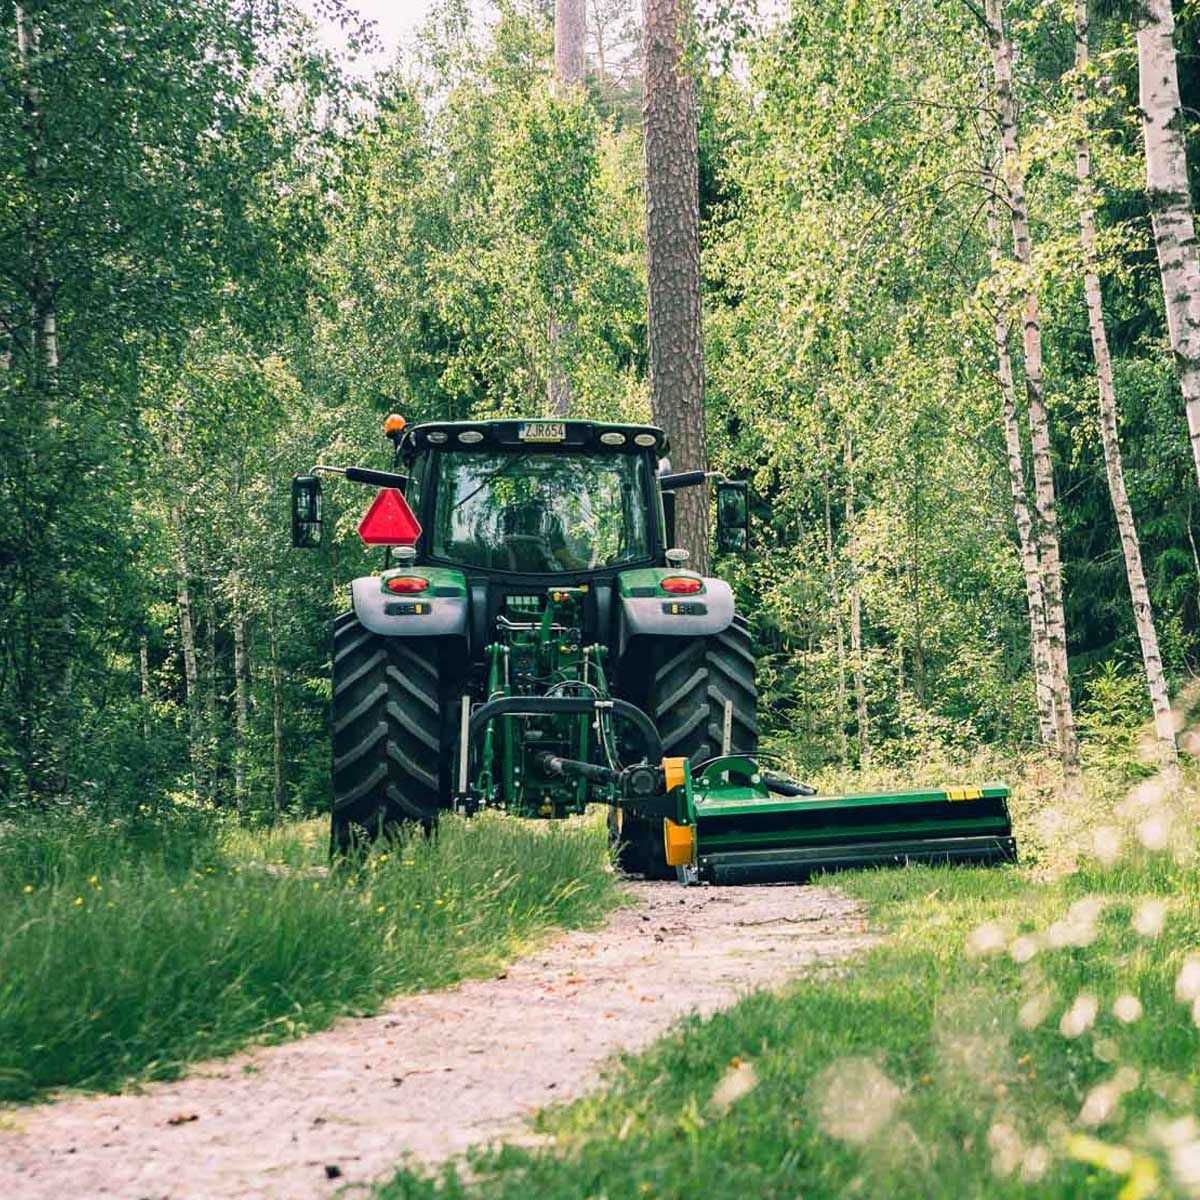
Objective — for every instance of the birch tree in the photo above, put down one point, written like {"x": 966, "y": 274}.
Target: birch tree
{"x": 1035, "y": 600}
{"x": 1045, "y": 504}
{"x": 1170, "y": 201}
{"x": 1139, "y": 593}
{"x": 673, "y": 261}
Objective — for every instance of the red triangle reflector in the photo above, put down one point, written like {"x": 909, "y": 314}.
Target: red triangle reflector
{"x": 389, "y": 521}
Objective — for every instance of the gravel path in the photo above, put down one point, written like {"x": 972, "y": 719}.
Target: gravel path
{"x": 434, "y": 1073}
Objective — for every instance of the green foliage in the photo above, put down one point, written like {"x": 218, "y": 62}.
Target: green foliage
{"x": 259, "y": 258}
{"x": 131, "y": 949}
{"x": 1113, "y": 721}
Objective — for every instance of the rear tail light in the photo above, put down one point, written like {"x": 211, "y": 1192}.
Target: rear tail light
{"x": 681, "y": 585}
{"x": 406, "y": 585}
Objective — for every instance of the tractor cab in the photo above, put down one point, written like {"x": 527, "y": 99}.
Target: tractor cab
{"x": 535, "y": 497}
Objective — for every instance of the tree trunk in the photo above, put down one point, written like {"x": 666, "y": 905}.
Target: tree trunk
{"x": 673, "y": 261}
{"x": 1049, "y": 555}
{"x": 191, "y": 668}
{"x": 212, "y": 745}
{"x": 855, "y": 598}
{"x": 241, "y": 694}
{"x": 569, "y": 31}
{"x": 1170, "y": 201}
{"x": 1034, "y": 598}
{"x": 276, "y": 714}
{"x": 49, "y": 700}
{"x": 147, "y": 694}
{"x": 1139, "y": 593}
{"x": 835, "y": 611}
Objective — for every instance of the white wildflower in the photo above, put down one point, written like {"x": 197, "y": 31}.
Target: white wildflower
{"x": 1078, "y": 1018}
{"x": 1127, "y": 1009}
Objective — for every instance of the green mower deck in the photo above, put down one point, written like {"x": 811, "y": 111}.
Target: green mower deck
{"x": 743, "y": 833}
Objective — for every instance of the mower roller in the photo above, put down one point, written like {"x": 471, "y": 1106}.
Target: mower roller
{"x": 536, "y": 643}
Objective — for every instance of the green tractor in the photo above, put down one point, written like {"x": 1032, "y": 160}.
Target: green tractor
{"x": 535, "y": 642}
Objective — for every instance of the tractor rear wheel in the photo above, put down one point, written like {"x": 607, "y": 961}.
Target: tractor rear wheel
{"x": 389, "y": 752}
{"x": 694, "y": 678}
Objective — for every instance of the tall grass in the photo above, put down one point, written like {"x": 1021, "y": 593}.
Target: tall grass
{"x": 115, "y": 963}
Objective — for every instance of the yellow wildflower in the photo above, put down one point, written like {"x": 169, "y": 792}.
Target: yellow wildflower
{"x": 27, "y": 888}
{"x": 78, "y": 901}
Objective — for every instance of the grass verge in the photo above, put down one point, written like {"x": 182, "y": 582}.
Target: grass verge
{"x": 1017, "y": 1033}
{"x": 126, "y": 958}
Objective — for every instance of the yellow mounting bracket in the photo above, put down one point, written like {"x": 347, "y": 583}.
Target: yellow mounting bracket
{"x": 679, "y": 843}
{"x": 674, "y": 773}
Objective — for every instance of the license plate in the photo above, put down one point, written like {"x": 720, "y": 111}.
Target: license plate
{"x": 543, "y": 431}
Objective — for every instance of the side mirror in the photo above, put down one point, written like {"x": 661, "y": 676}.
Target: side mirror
{"x": 306, "y": 511}
{"x": 733, "y": 516}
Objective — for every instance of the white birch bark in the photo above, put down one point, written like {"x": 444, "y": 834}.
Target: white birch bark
{"x": 240, "y": 691}
{"x": 1170, "y": 201}
{"x": 835, "y": 606}
{"x": 276, "y": 714}
{"x": 855, "y": 603}
{"x": 1139, "y": 593}
{"x": 45, "y": 318}
{"x": 1034, "y": 598}
{"x": 187, "y": 643}
{"x": 147, "y": 695}
{"x": 1049, "y": 555}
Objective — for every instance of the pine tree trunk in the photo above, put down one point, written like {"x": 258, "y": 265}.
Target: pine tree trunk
{"x": 855, "y": 599}
{"x": 1034, "y": 599}
{"x": 241, "y": 694}
{"x": 1139, "y": 593}
{"x": 569, "y": 31}
{"x": 835, "y": 610}
{"x": 1049, "y": 554}
{"x": 1170, "y": 201}
{"x": 673, "y": 261}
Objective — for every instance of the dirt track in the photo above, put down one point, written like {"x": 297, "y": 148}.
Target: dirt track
{"x": 434, "y": 1073}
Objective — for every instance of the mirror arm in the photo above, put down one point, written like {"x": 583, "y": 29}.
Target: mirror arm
{"x": 387, "y": 479}
{"x": 682, "y": 479}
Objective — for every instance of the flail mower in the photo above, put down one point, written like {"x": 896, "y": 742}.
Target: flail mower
{"x": 535, "y": 642}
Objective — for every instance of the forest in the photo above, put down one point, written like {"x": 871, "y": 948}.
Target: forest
{"x": 925, "y": 275}
{"x": 228, "y": 256}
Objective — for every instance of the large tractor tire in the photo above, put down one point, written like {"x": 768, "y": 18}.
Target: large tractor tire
{"x": 389, "y": 745}
{"x": 692, "y": 678}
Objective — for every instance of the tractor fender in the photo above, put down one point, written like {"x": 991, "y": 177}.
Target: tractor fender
{"x": 422, "y": 615}
{"x": 660, "y": 615}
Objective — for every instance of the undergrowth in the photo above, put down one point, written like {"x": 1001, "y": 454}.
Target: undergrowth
{"x": 128, "y": 951}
